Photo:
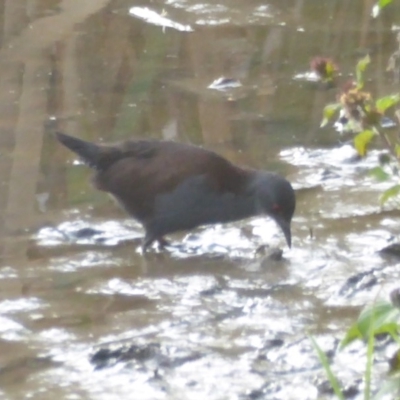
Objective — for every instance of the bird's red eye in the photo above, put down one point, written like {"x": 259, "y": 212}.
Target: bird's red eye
{"x": 276, "y": 207}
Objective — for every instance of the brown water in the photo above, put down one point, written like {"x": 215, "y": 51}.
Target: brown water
{"x": 211, "y": 318}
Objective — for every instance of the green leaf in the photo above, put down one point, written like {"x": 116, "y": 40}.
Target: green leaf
{"x": 325, "y": 363}
{"x": 362, "y": 140}
{"x": 329, "y": 112}
{"x": 379, "y": 174}
{"x": 386, "y": 102}
{"x": 370, "y": 358}
{"x": 363, "y": 63}
{"x": 389, "y": 193}
{"x": 360, "y": 68}
{"x": 330, "y": 70}
{"x": 353, "y": 333}
{"x": 382, "y": 317}
{"x": 384, "y": 3}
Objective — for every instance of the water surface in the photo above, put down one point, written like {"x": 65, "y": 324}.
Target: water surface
{"x": 84, "y": 315}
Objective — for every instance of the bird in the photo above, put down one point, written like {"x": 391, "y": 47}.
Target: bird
{"x": 170, "y": 186}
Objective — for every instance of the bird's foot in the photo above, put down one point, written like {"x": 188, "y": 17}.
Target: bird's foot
{"x": 148, "y": 241}
{"x": 162, "y": 243}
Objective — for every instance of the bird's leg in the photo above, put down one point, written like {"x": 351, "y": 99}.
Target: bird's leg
{"x": 150, "y": 238}
{"x": 162, "y": 242}
{"x": 147, "y": 242}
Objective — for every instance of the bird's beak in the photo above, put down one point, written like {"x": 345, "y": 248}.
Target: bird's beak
{"x": 285, "y": 226}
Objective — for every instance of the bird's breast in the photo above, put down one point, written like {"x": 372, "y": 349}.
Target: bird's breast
{"x": 195, "y": 203}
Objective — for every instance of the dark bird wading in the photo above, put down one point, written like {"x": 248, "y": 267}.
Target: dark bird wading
{"x": 170, "y": 187}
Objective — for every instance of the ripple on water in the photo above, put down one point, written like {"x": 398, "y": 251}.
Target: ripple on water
{"x": 107, "y": 233}
{"x": 11, "y": 330}
{"x": 25, "y": 304}
{"x": 236, "y": 240}
{"x": 209, "y": 13}
{"x": 334, "y": 168}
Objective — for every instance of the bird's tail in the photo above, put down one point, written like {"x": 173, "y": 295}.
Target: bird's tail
{"x": 96, "y": 156}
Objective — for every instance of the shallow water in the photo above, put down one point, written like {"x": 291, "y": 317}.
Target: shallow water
{"x": 84, "y": 315}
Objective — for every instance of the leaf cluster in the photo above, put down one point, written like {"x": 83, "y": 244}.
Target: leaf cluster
{"x": 382, "y": 318}
{"x": 363, "y": 116}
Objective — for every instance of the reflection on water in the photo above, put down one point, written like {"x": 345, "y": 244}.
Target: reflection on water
{"x": 82, "y": 313}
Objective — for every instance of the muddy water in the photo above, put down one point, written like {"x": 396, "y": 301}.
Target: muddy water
{"x": 84, "y": 315}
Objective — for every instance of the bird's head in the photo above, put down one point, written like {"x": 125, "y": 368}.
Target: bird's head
{"x": 275, "y": 196}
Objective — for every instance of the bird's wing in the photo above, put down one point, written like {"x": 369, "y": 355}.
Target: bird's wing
{"x": 148, "y": 169}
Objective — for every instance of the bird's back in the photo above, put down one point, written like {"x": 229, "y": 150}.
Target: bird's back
{"x": 150, "y": 169}
{"x": 137, "y": 172}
